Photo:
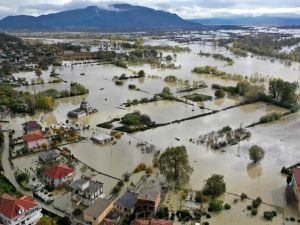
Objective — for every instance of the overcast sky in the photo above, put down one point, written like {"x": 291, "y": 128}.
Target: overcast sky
{"x": 187, "y": 9}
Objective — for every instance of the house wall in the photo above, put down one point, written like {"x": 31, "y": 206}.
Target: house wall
{"x": 36, "y": 144}
{"x": 100, "y": 218}
{"x": 32, "y": 217}
{"x": 57, "y": 182}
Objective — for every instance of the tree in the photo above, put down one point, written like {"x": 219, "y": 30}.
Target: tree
{"x": 63, "y": 221}
{"x": 215, "y": 185}
{"x": 38, "y": 72}
{"x": 46, "y": 220}
{"x": 141, "y": 73}
{"x": 174, "y": 165}
{"x": 219, "y": 93}
{"x": 77, "y": 212}
{"x": 216, "y": 205}
{"x": 256, "y": 153}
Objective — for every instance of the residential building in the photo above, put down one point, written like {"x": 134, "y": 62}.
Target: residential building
{"x": 31, "y": 126}
{"x": 86, "y": 191}
{"x": 97, "y": 212}
{"x": 49, "y": 156}
{"x": 149, "y": 197}
{"x": 151, "y": 222}
{"x": 35, "y": 140}
{"x": 102, "y": 138}
{"x": 59, "y": 175}
{"x": 113, "y": 218}
{"x": 19, "y": 211}
{"x": 126, "y": 204}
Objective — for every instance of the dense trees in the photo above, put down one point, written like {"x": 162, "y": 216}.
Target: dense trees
{"x": 174, "y": 165}
{"x": 283, "y": 92}
{"x": 215, "y": 185}
{"x": 136, "y": 119}
{"x": 256, "y": 153}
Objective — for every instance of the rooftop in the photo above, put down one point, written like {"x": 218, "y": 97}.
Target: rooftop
{"x": 12, "y": 207}
{"x": 128, "y": 200}
{"x": 151, "y": 222}
{"x": 33, "y": 137}
{"x": 149, "y": 192}
{"x": 102, "y": 137}
{"x": 99, "y": 206}
{"x": 49, "y": 155}
{"x": 93, "y": 186}
{"x": 31, "y": 125}
{"x": 59, "y": 171}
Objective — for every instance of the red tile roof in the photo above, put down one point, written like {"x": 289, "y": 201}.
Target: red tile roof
{"x": 59, "y": 171}
{"x": 11, "y": 206}
{"x": 33, "y": 137}
{"x": 151, "y": 222}
{"x": 296, "y": 174}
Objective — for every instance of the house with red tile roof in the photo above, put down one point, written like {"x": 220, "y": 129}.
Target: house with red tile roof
{"x": 59, "y": 175}
{"x": 296, "y": 184}
{"x": 35, "y": 140}
{"x": 24, "y": 210}
{"x": 151, "y": 222}
{"x": 31, "y": 126}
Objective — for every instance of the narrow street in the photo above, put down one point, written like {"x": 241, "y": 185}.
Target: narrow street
{"x": 9, "y": 174}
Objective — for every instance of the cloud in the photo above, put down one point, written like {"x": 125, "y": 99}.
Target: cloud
{"x": 184, "y": 8}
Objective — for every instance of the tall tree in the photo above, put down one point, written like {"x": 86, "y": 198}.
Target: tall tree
{"x": 215, "y": 185}
{"x": 256, "y": 153}
{"x": 174, "y": 165}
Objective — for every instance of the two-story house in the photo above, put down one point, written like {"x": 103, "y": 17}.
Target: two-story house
{"x": 59, "y": 175}
{"x": 86, "y": 191}
{"x": 24, "y": 210}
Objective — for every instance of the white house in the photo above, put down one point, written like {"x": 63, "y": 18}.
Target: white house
{"x": 24, "y": 210}
{"x": 59, "y": 175}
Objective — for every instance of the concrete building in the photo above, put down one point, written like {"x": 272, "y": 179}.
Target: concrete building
{"x": 15, "y": 211}
{"x": 97, "y": 212}
{"x": 102, "y": 138}
{"x": 149, "y": 197}
{"x": 59, "y": 175}
{"x": 86, "y": 191}
{"x": 127, "y": 203}
{"x": 35, "y": 140}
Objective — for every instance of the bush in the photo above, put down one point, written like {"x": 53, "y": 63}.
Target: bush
{"x": 227, "y": 206}
{"x": 219, "y": 93}
{"x": 216, "y": 205}
{"x": 270, "y": 117}
{"x": 255, "y": 204}
{"x": 49, "y": 188}
{"x": 199, "y": 197}
{"x": 268, "y": 215}
{"x": 77, "y": 212}
{"x": 254, "y": 212}
{"x": 249, "y": 207}
{"x": 131, "y": 86}
{"x": 140, "y": 167}
{"x": 119, "y": 82}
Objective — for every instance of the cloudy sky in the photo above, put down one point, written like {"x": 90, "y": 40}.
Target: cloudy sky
{"x": 187, "y": 9}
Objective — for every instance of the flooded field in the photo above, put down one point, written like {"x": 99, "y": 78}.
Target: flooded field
{"x": 279, "y": 139}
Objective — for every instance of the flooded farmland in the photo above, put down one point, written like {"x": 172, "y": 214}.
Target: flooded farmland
{"x": 279, "y": 139}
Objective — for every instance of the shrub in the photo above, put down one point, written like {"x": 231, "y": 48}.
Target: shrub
{"x": 255, "y": 204}
{"x": 216, "y": 205}
{"x": 254, "y": 212}
{"x": 249, "y": 207}
{"x": 77, "y": 212}
{"x": 227, "y": 206}
{"x": 49, "y": 188}
{"x": 270, "y": 117}
{"x": 119, "y": 82}
{"x": 131, "y": 86}
{"x": 268, "y": 215}
{"x": 219, "y": 93}
{"x": 140, "y": 167}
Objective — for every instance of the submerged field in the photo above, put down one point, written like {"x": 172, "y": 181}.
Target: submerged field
{"x": 279, "y": 139}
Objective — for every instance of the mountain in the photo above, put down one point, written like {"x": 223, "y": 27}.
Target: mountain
{"x": 255, "y": 21}
{"x": 117, "y": 17}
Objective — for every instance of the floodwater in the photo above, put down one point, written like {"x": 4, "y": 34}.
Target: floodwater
{"x": 280, "y": 140}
